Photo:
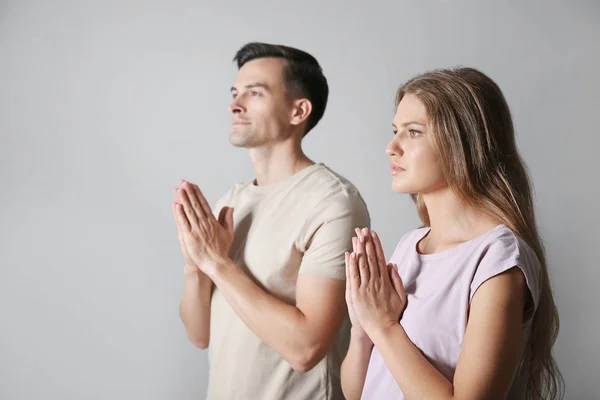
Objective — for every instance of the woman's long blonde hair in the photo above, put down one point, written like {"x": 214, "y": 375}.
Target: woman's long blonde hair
{"x": 473, "y": 134}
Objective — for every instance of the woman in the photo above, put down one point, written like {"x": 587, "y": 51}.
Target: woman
{"x": 470, "y": 290}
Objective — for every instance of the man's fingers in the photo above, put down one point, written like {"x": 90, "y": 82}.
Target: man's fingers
{"x": 177, "y": 220}
{"x": 174, "y": 209}
{"x": 188, "y": 210}
{"x": 229, "y": 221}
{"x": 222, "y": 213}
{"x": 179, "y": 233}
{"x": 182, "y": 220}
{"x": 193, "y": 198}
{"x": 226, "y": 219}
{"x": 206, "y": 209}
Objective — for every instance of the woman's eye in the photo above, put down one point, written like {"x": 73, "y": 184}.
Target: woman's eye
{"x": 254, "y": 93}
{"x": 394, "y": 131}
{"x": 414, "y": 133}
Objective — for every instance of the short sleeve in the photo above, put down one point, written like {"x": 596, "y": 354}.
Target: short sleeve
{"x": 505, "y": 252}
{"x": 328, "y": 232}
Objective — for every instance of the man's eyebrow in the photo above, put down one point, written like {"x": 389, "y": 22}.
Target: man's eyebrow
{"x": 252, "y": 86}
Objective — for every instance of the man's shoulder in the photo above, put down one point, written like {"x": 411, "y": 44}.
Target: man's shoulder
{"x": 329, "y": 194}
{"x": 330, "y": 183}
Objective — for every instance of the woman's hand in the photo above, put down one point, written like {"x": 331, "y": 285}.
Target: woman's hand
{"x": 376, "y": 291}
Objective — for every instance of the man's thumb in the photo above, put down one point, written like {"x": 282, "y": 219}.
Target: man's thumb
{"x": 229, "y": 220}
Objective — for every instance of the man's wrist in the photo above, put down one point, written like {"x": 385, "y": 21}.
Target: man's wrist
{"x": 222, "y": 270}
{"x": 193, "y": 273}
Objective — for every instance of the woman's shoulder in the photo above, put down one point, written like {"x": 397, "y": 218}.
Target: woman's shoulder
{"x": 507, "y": 242}
{"x": 502, "y": 249}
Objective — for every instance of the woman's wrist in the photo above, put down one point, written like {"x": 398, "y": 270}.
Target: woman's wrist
{"x": 360, "y": 337}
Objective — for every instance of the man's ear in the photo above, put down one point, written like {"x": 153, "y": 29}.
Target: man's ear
{"x": 301, "y": 111}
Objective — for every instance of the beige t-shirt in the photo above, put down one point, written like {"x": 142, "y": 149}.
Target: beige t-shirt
{"x": 301, "y": 225}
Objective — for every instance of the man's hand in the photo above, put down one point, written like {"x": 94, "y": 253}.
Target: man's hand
{"x": 205, "y": 242}
{"x": 190, "y": 268}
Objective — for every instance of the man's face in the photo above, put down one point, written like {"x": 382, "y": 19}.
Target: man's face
{"x": 260, "y": 109}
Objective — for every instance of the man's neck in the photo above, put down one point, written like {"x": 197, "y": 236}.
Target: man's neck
{"x": 277, "y": 162}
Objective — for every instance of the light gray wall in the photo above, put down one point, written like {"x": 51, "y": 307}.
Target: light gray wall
{"x": 105, "y": 105}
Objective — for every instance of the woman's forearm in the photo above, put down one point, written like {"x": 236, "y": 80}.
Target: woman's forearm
{"x": 355, "y": 365}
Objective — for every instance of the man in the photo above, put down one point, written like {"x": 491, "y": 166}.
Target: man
{"x": 265, "y": 274}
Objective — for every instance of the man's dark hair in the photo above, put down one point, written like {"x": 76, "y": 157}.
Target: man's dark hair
{"x": 303, "y": 76}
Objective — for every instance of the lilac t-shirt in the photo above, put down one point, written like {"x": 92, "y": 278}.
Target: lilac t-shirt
{"x": 439, "y": 288}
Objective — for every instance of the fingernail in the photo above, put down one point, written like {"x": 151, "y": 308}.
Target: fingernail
{"x": 353, "y": 255}
{"x": 365, "y": 231}
{"x": 362, "y": 239}
{"x": 374, "y": 234}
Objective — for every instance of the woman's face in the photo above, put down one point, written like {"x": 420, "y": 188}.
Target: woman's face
{"x": 413, "y": 162}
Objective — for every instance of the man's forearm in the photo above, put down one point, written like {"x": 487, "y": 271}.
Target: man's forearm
{"x": 195, "y": 306}
{"x": 355, "y": 365}
{"x": 281, "y": 326}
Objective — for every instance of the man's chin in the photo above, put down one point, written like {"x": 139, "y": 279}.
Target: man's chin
{"x": 238, "y": 140}
{"x": 239, "y": 145}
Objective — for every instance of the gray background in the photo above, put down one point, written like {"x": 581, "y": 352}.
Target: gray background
{"x": 105, "y": 105}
